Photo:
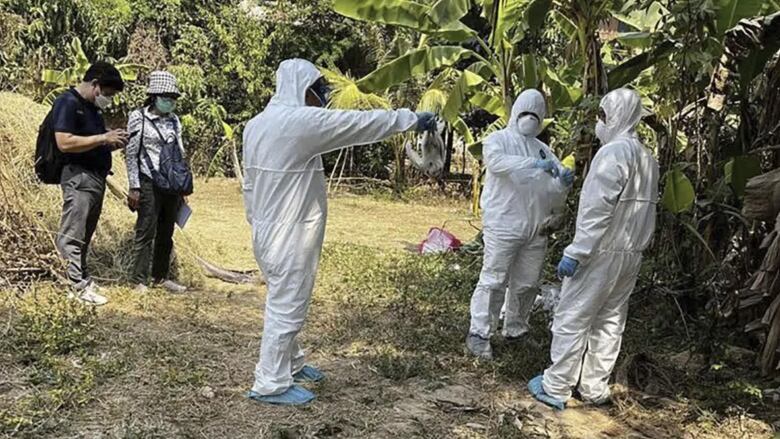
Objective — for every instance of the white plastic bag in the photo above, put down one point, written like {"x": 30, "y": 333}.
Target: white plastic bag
{"x": 548, "y": 297}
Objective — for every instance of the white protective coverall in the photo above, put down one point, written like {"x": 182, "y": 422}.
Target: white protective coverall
{"x": 286, "y": 204}
{"x": 615, "y": 223}
{"x": 516, "y": 200}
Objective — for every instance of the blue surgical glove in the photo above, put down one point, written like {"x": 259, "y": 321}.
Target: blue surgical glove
{"x": 567, "y": 267}
{"x": 426, "y": 121}
{"x": 547, "y": 165}
{"x": 567, "y": 176}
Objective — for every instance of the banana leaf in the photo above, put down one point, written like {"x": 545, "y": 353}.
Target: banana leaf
{"x": 444, "y": 12}
{"x": 461, "y": 128}
{"x": 490, "y": 103}
{"x": 632, "y": 68}
{"x": 416, "y": 16}
{"x": 678, "y": 194}
{"x": 509, "y": 14}
{"x": 464, "y": 86}
{"x": 536, "y": 14}
{"x": 731, "y": 11}
{"x": 415, "y": 63}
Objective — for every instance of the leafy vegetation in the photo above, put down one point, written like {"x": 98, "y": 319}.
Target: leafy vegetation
{"x": 387, "y": 326}
{"x": 708, "y": 71}
{"x": 224, "y": 53}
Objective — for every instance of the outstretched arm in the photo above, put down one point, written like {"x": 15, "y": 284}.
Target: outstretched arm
{"x": 323, "y": 130}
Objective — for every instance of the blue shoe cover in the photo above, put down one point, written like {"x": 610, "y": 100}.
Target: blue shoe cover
{"x": 309, "y": 374}
{"x": 536, "y": 389}
{"x": 295, "y": 395}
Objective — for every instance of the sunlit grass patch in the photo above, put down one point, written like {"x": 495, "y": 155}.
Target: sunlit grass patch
{"x": 52, "y": 364}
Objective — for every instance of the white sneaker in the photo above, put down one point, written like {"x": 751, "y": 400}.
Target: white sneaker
{"x": 172, "y": 287}
{"x": 141, "y": 289}
{"x": 89, "y": 295}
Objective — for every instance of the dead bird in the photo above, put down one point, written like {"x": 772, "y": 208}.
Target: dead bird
{"x": 431, "y": 145}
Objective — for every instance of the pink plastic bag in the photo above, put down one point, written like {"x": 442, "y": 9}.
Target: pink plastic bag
{"x": 439, "y": 241}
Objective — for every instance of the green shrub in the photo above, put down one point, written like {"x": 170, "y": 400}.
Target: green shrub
{"x": 48, "y": 324}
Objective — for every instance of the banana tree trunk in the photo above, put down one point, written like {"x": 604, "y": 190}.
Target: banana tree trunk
{"x": 399, "y": 177}
{"x": 594, "y": 83}
{"x": 739, "y": 43}
{"x": 769, "y": 116}
{"x": 595, "y": 77}
{"x": 449, "y": 133}
{"x": 237, "y": 164}
{"x": 476, "y": 187}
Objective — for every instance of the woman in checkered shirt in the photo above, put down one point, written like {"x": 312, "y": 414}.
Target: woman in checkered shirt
{"x": 153, "y": 127}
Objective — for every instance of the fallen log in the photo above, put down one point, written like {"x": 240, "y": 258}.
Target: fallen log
{"x": 230, "y": 276}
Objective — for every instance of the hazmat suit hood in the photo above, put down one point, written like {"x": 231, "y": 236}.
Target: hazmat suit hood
{"x": 623, "y": 109}
{"x": 293, "y": 78}
{"x": 531, "y": 101}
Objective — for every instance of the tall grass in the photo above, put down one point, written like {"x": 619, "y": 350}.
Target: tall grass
{"x": 30, "y": 211}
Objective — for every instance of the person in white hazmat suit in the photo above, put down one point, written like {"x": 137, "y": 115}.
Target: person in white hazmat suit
{"x": 524, "y": 186}
{"x": 286, "y": 204}
{"x": 615, "y": 223}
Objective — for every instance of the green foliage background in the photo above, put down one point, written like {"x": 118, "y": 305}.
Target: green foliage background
{"x": 224, "y": 53}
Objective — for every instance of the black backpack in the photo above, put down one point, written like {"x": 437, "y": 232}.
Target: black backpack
{"x": 49, "y": 160}
{"x": 174, "y": 176}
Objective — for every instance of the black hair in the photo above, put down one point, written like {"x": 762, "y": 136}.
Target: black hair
{"x": 150, "y": 100}
{"x": 106, "y": 75}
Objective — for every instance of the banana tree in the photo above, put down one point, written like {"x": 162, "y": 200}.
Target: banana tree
{"x": 488, "y": 69}
{"x": 348, "y": 95}
{"x": 747, "y": 47}
{"x": 75, "y": 73}
{"x": 486, "y": 75}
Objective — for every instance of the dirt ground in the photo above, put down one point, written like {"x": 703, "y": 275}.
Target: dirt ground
{"x": 385, "y": 326}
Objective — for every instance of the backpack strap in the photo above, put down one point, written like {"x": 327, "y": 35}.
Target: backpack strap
{"x": 147, "y": 158}
{"x": 157, "y": 129}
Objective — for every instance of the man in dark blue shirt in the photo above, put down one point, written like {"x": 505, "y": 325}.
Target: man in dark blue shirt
{"x": 81, "y": 135}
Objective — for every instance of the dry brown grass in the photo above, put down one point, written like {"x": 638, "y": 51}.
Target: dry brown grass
{"x": 225, "y": 238}
{"x": 26, "y": 217}
{"x": 30, "y": 211}
{"x": 386, "y": 327}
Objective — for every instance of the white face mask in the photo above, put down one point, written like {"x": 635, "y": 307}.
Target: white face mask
{"x": 102, "y": 102}
{"x": 527, "y": 125}
{"x": 602, "y": 132}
